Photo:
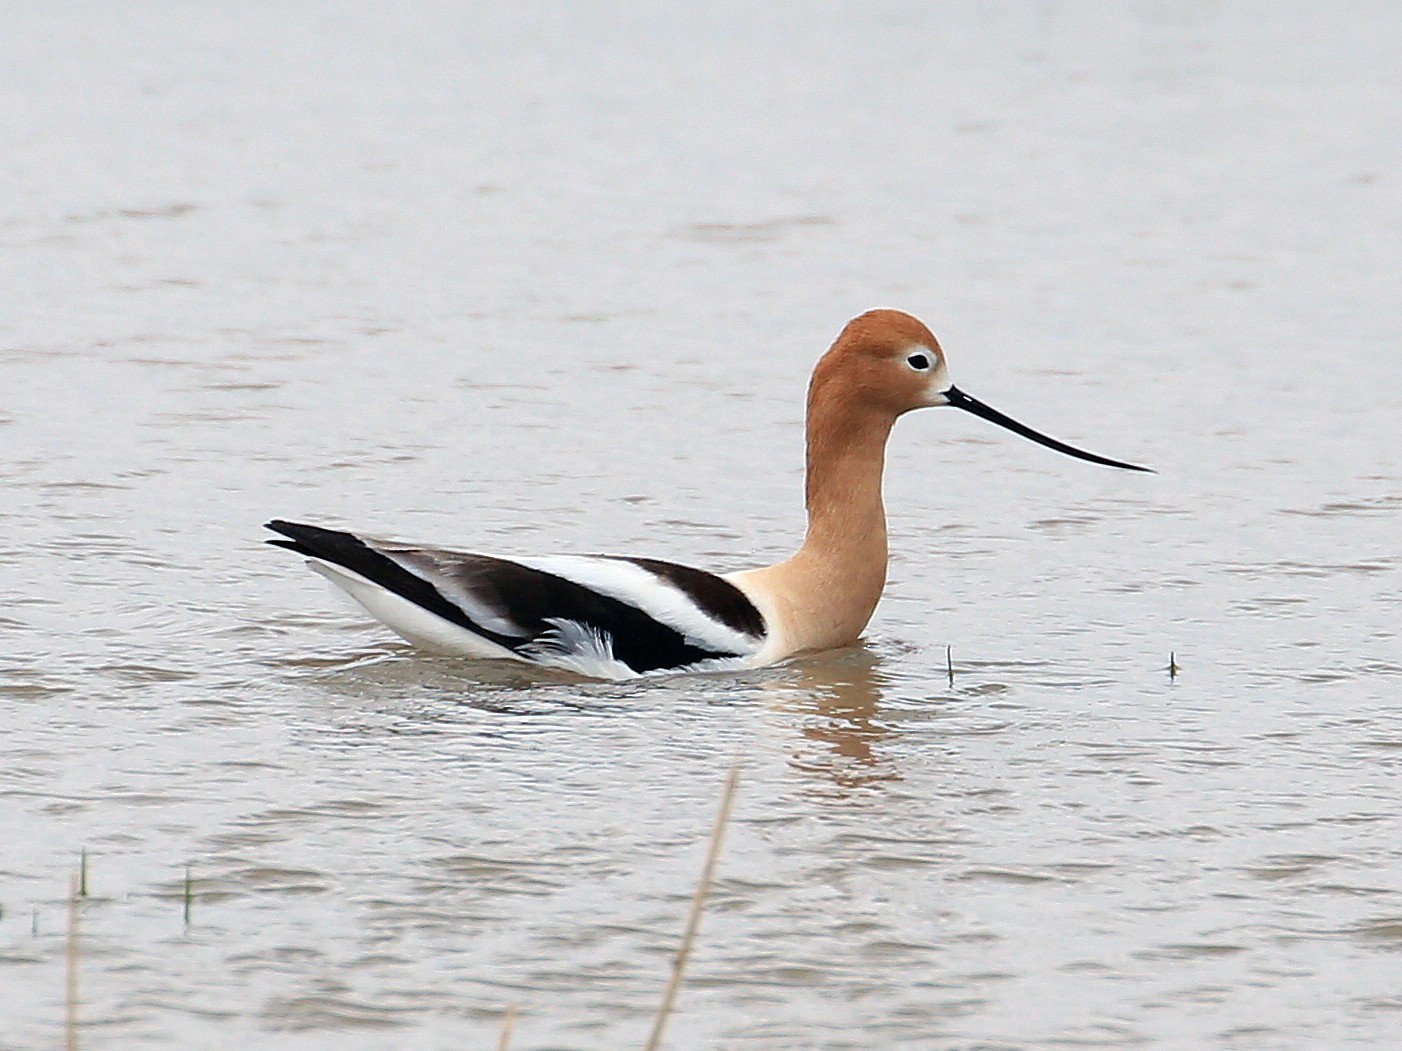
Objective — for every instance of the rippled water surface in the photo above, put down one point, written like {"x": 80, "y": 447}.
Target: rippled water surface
{"x": 526, "y": 278}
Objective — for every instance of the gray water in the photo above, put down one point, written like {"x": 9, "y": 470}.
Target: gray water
{"x": 551, "y": 277}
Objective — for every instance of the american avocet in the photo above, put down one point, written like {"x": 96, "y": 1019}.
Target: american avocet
{"x": 615, "y": 616}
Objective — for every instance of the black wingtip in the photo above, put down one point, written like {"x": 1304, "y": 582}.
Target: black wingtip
{"x": 288, "y": 530}
{"x": 306, "y": 533}
{"x": 348, "y": 550}
{"x": 315, "y": 542}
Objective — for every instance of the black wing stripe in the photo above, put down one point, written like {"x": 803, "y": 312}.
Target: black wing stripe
{"x": 715, "y": 596}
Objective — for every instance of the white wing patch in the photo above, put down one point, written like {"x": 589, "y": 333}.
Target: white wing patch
{"x": 578, "y": 648}
{"x": 659, "y": 599}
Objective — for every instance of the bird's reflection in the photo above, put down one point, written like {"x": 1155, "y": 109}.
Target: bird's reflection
{"x": 839, "y": 694}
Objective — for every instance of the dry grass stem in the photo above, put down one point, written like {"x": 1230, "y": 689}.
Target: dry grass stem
{"x": 693, "y": 921}
{"x": 70, "y": 1020}
{"x": 508, "y": 1023}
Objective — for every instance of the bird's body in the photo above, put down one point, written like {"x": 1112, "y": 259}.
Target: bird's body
{"x": 614, "y": 616}
{"x": 599, "y": 615}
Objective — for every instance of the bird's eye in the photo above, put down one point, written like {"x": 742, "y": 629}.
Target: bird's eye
{"x": 919, "y": 362}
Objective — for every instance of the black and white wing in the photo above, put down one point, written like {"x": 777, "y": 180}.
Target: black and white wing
{"x": 600, "y": 615}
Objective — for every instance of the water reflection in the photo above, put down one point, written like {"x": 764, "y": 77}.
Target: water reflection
{"x": 838, "y": 697}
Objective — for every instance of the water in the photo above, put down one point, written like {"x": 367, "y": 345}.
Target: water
{"x": 551, "y": 279}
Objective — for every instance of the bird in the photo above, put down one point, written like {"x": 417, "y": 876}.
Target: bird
{"x": 617, "y": 617}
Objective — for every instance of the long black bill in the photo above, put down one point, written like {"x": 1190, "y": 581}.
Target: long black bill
{"x": 960, "y": 400}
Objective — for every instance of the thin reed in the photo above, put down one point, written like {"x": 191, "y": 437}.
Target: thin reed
{"x": 508, "y": 1023}
{"x": 76, "y": 889}
{"x": 693, "y": 920}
